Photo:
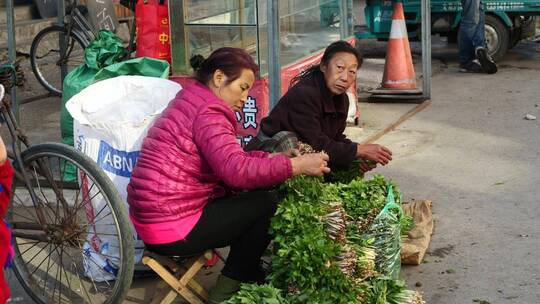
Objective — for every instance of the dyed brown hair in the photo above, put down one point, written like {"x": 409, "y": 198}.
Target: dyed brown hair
{"x": 230, "y": 61}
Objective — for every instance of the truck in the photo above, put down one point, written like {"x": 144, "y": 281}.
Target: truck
{"x": 506, "y": 23}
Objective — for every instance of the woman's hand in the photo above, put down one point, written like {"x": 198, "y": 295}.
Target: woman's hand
{"x": 373, "y": 152}
{"x": 313, "y": 164}
{"x": 3, "y": 152}
{"x": 366, "y": 165}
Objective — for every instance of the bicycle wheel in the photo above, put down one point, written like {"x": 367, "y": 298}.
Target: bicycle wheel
{"x": 74, "y": 242}
{"x": 46, "y": 59}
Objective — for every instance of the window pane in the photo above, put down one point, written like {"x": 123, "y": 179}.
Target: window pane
{"x": 220, "y": 12}
{"x": 204, "y": 40}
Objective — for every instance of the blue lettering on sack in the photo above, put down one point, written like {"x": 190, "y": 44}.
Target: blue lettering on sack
{"x": 116, "y": 161}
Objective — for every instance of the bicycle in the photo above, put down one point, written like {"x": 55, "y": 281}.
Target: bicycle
{"x": 59, "y": 226}
{"x": 47, "y": 57}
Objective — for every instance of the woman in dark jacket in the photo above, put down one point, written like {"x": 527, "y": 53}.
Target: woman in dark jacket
{"x": 315, "y": 110}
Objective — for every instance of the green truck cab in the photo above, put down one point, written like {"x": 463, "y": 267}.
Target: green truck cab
{"x": 507, "y": 22}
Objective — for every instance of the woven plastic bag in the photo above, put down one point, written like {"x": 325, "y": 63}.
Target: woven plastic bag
{"x": 103, "y": 60}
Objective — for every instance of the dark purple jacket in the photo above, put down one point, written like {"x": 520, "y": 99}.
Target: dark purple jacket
{"x": 318, "y": 119}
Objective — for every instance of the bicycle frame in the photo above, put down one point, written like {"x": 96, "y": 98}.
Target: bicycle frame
{"x": 18, "y": 138}
{"x": 75, "y": 21}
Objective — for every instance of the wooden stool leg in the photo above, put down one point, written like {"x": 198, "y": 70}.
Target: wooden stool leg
{"x": 177, "y": 285}
{"x": 164, "y": 296}
{"x": 169, "y": 298}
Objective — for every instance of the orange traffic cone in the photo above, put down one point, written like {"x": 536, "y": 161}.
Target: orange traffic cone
{"x": 398, "y": 69}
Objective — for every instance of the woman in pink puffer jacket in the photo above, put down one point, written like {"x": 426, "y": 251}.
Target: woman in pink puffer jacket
{"x": 178, "y": 203}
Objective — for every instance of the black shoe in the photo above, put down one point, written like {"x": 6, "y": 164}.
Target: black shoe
{"x": 471, "y": 67}
{"x": 485, "y": 61}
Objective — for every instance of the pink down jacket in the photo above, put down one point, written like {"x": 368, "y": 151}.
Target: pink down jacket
{"x": 188, "y": 153}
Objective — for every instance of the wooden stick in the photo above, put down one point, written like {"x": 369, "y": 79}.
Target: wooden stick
{"x": 398, "y": 122}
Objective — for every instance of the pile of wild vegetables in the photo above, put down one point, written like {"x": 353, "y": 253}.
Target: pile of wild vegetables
{"x": 336, "y": 242}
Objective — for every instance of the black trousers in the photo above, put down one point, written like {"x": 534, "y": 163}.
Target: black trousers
{"x": 239, "y": 221}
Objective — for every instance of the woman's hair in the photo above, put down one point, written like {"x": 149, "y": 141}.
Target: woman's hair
{"x": 336, "y": 47}
{"x": 230, "y": 61}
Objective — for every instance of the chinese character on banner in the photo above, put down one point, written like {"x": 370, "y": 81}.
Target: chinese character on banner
{"x": 163, "y": 38}
{"x": 238, "y": 116}
{"x": 250, "y": 113}
{"x": 246, "y": 140}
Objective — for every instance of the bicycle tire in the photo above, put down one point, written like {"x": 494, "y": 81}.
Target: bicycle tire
{"x": 48, "y": 71}
{"x": 26, "y": 271}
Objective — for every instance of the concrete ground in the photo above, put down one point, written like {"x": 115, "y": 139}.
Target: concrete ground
{"x": 471, "y": 152}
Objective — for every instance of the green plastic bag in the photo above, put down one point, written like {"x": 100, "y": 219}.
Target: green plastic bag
{"x": 103, "y": 60}
{"x": 386, "y": 231}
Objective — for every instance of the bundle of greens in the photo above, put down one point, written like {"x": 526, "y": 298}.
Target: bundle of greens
{"x": 345, "y": 176}
{"x": 332, "y": 243}
{"x": 303, "y": 263}
{"x": 257, "y": 294}
{"x": 383, "y": 290}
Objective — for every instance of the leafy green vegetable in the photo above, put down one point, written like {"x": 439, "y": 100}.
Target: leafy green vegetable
{"x": 345, "y": 176}
{"x": 384, "y": 290}
{"x": 322, "y": 253}
{"x": 257, "y": 294}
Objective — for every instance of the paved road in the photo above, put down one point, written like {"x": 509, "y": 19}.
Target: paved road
{"x": 475, "y": 156}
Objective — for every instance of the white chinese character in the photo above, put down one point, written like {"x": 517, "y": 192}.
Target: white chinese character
{"x": 250, "y": 113}
{"x": 238, "y": 116}
{"x": 105, "y": 21}
{"x": 247, "y": 139}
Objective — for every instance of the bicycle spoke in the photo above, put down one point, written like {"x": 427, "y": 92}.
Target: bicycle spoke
{"x": 36, "y": 177}
{"x": 26, "y": 243}
{"x": 99, "y": 213}
{"x": 47, "y": 277}
{"x": 80, "y": 281}
{"x": 61, "y": 191}
{"x": 27, "y": 218}
{"x": 26, "y": 207}
{"x": 30, "y": 248}
{"x": 35, "y": 255}
{"x": 83, "y": 200}
{"x": 99, "y": 267}
{"x": 59, "y": 284}
{"x": 73, "y": 211}
{"x": 90, "y": 277}
{"x": 94, "y": 196}
{"x": 62, "y": 263}
{"x": 46, "y": 257}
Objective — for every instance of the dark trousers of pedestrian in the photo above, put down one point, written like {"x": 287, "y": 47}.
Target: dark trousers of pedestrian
{"x": 471, "y": 30}
{"x": 241, "y": 222}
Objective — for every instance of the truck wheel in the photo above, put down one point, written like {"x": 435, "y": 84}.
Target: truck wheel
{"x": 497, "y": 37}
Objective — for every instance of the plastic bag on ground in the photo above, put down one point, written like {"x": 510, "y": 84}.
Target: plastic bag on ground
{"x": 386, "y": 232}
{"x": 111, "y": 119}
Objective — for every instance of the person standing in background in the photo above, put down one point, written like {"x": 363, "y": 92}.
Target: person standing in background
{"x": 473, "y": 55}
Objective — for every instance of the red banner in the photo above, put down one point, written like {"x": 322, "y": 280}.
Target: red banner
{"x": 153, "y": 38}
